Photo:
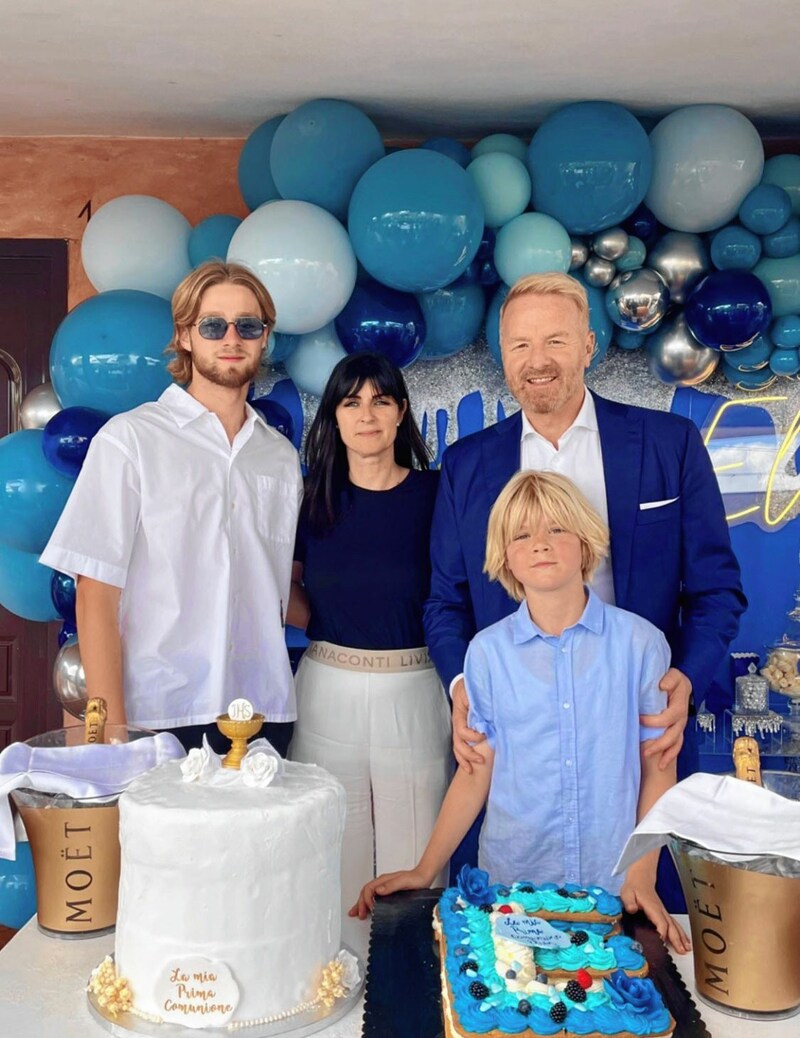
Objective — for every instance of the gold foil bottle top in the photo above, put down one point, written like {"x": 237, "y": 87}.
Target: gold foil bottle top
{"x": 95, "y": 723}
{"x": 747, "y": 760}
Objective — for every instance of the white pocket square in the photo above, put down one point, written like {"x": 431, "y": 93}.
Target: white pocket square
{"x": 643, "y": 507}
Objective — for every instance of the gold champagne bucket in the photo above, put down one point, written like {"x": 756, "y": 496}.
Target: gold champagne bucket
{"x": 75, "y": 848}
{"x": 745, "y": 927}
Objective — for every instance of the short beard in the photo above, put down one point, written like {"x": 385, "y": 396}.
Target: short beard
{"x": 230, "y": 378}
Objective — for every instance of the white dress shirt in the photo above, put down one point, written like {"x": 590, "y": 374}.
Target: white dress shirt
{"x": 579, "y": 458}
{"x": 199, "y": 534}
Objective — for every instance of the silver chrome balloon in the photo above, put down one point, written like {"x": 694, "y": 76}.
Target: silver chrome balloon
{"x": 38, "y": 407}
{"x": 637, "y": 300}
{"x": 580, "y": 253}
{"x": 598, "y": 272}
{"x": 69, "y": 680}
{"x": 676, "y": 357}
{"x": 681, "y": 259}
{"x": 610, "y": 244}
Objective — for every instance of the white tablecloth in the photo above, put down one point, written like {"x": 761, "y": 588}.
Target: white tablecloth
{"x": 42, "y": 982}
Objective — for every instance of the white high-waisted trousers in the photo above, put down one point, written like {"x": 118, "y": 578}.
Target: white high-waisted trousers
{"x": 380, "y": 722}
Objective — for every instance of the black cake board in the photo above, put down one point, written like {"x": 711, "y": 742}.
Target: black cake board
{"x": 403, "y": 995}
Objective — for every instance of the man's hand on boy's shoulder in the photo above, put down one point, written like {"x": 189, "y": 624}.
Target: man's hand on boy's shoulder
{"x": 464, "y": 737}
{"x": 673, "y": 718}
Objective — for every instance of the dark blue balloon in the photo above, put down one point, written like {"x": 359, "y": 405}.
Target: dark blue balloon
{"x": 493, "y": 323}
{"x": 642, "y": 224}
{"x": 62, "y": 589}
{"x": 728, "y": 308}
{"x": 275, "y": 415}
{"x": 453, "y": 149}
{"x": 382, "y": 319}
{"x": 255, "y": 176}
{"x": 67, "y": 436}
{"x": 68, "y": 630}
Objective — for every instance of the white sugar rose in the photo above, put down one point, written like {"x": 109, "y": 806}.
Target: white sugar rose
{"x": 259, "y": 769}
{"x": 351, "y": 974}
{"x": 200, "y": 763}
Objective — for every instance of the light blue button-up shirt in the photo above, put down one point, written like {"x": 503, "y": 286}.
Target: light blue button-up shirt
{"x": 562, "y": 715}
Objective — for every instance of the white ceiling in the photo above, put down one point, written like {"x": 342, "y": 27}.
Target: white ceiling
{"x": 420, "y": 67}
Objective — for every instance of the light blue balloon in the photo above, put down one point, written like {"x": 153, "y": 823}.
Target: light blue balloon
{"x": 753, "y": 357}
{"x": 25, "y": 585}
{"x": 705, "y": 160}
{"x": 634, "y": 256}
{"x": 32, "y": 492}
{"x": 749, "y": 381}
{"x": 785, "y": 331}
{"x": 629, "y": 340}
{"x": 785, "y": 242}
{"x": 735, "y": 248}
{"x": 17, "y": 888}
{"x": 211, "y": 237}
{"x": 416, "y": 220}
{"x": 108, "y": 353}
{"x": 785, "y": 362}
{"x": 590, "y": 164}
{"x": 532, "y": 243}
{"x": 782, "y": 279}
{"x": 784, "y": 170}
{"x": 504, "y": 186}
{"x": 280, "y": 346}
{"x": 311, "y": 362}
{"x": 504, "y": 143}
{"x": 453, "y": 317}
{"x": 453, "y": 149}
{"x": 320, "y": 150}
{"x": 255, "y": 177}
{"x": 765, "y": 209}
{"x": 493, "y": 323}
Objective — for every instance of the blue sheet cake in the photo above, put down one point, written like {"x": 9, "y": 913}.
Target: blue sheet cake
{"x": 542, "y": 960}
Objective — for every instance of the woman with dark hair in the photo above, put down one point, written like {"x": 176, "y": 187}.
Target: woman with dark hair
{"x": 370, "y": 707}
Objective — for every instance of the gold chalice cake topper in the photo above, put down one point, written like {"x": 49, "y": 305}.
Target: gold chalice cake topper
{"x": 238, "y": 725}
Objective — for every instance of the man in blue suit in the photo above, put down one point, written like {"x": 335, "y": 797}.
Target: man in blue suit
{"x": 647, "y": 472}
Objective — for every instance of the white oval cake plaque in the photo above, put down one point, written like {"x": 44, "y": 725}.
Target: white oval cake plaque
{"x": 240, "y": 710}
{"x": 196, "y": 992}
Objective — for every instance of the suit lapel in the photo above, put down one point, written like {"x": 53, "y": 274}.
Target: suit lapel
{"x": 501, "y": 454}
{"x": 621, "y": 432}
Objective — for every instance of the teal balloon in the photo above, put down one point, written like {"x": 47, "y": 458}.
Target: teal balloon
{"x": 629, "y": 340}
{"x": 255, "y": 177}
{"x": 634, "y": 255}
{"x": 415, "y": 220}
{"x": 320, "y": 150}
{"x": 493, "y": 323}
{"x": 211, "y": 237}
{"x": 784, "y": 170}
{"x": 735, "y": 248}
{"x": 599, "y": 322}
{"x": 750, "y": 381}
{"x": 782, "y": 280}
{"x": 453, "y": 317}
{"x": 785, "y": 242}
{"x": 532, "y": 243}
{"x": 785, "y": 362}
{"x": 17, "y": 888}
{"x": 32, "y": 492}
{"x": 280, "y": 346}
{"x": 504, "y": 143}
{"x": 765, "y": 209}
{"x": 25, "y": 585}
{"x": 108, "y": 353}
{"x": 785, "y": 331}
{"x": 590, "y": 164}
{"x": 453, "y": 149}
{"x": 504, "y": 186}
{"x": 753, "y": 357}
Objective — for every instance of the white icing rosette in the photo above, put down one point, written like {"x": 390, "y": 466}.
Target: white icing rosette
{"x": 351, "y": 974}
{"x": 200, "y": 764}
{"x": 258, "y": 769}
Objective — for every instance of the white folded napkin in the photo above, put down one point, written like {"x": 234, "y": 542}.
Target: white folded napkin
{"x": 90, "y": 770}
{"x": 722, "y": 814}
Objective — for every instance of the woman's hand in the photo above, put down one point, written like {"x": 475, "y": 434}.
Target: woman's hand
{"x": 639, "y": 893}
{"x": 464, "y": 737}
{"x": 388, "y": 883}
{"x": 667, "y": 746}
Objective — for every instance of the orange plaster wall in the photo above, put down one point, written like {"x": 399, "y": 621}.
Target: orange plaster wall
{"x": 46, "y": 181}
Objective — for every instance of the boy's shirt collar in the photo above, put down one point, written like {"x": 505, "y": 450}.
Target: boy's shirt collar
{"x": 591, "y": 618}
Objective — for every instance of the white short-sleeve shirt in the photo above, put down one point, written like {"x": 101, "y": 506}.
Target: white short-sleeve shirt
{"x": 199, "y": 534}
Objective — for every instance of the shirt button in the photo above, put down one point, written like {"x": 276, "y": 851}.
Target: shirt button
{"x": 233, "y": 505}
{"x": 564, "y": 649}
{"x": 565, "y": 705}
{"x": 568, "y": 763}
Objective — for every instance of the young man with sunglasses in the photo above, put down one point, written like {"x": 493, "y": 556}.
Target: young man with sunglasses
{"x": 180, "y": 530}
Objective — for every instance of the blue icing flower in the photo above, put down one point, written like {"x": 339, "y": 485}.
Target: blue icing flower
{"x": 628, "y": 958}
{"x": 636, "y": 994}
{"x": 474, "y": 885}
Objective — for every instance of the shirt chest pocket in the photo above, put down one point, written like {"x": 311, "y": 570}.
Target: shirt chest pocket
{"x": 276, "y": 508}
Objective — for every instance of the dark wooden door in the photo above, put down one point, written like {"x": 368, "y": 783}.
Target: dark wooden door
{"x": 33, "y": 301}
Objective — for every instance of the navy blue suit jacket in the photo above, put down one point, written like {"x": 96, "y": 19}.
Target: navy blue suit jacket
{"x": 672, "y": 564}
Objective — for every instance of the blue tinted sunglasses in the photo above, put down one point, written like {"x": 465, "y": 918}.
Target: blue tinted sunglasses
{"x": 246, "y": 327}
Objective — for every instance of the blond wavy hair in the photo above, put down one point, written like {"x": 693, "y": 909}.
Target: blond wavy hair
{"x": 187, "y": 300}
{"x": 526, "y": 500}
{"x": 554, "y": 284}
